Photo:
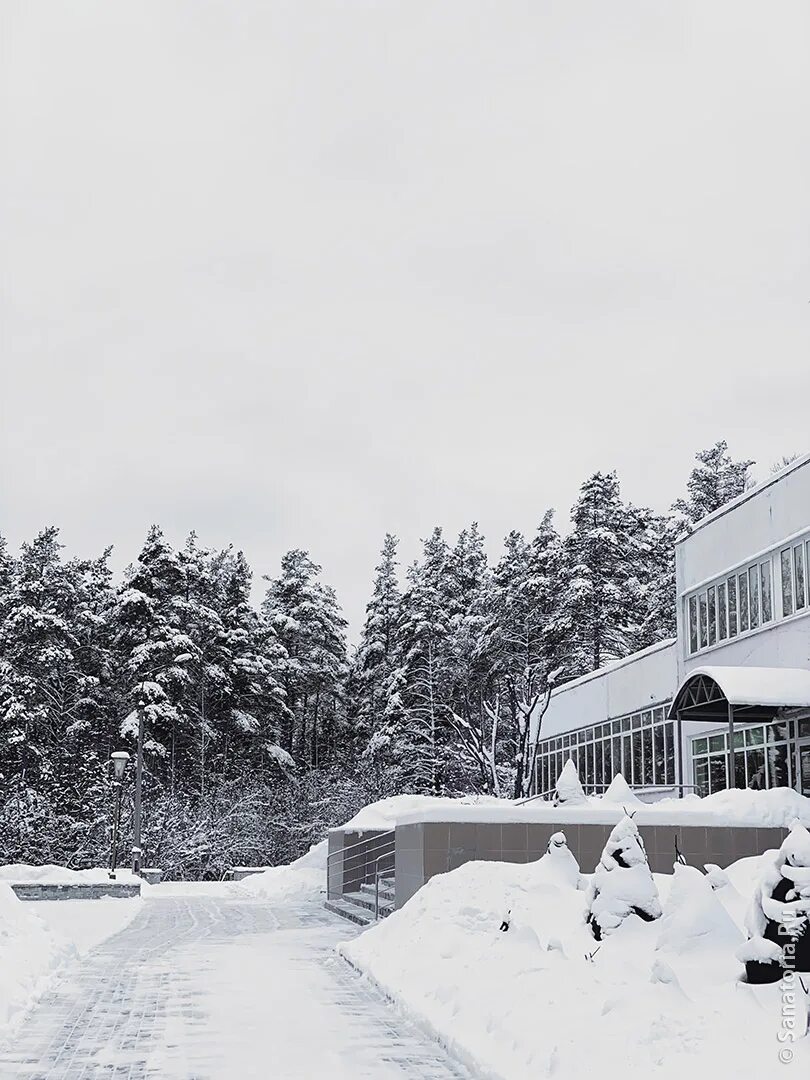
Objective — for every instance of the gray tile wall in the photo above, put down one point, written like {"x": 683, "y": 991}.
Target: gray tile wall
{"x": 79, "y": 891}
{"x": 429, "y": 848}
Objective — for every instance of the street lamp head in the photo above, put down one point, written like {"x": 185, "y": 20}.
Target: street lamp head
{"x": 119, "y": 760}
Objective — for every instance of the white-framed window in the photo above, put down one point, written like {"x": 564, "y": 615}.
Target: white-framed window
{"x": 794, "y": 561}
{"x": 640, "y": 746}
{"x": 763, "y": 758}
{"x": 734, "y": 604}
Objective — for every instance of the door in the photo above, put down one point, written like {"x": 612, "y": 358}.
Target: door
{"x": 804, "y": 768}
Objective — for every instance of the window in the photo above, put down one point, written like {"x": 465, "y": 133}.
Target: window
{"x": 787, "y": 583}
{"x": 712, "y": 610}
{"x": 762, "y": 758}
{"x": 703, "y": 621}
{"x": 722, "y": 616}
{"x": 742, "y": 583}
{"x": 798, "y": 567}
{"x": 765, "y": 586}
{"x": 693, "y": 628}
{"x": 753, "y": 596}
{"x": 731, "y": 587}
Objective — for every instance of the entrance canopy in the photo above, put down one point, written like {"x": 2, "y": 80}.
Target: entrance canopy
{"x": 755, "y": 693}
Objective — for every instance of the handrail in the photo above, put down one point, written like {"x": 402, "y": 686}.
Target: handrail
{"x": 603, "y": 787}
{"x": 370, "y": 850}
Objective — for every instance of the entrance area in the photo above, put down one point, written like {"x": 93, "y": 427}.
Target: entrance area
{"x": 803, "y": 767}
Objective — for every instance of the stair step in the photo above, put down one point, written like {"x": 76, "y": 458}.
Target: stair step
{"x": 349, "y": 911}
{"x": 387, "y": 892}
{"x": 366, "y": 902}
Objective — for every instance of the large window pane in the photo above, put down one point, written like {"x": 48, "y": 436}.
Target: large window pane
{"x": 638, "y": 765}
{"x": 711, "y": 604}
{"x": 722, "y": 615}
{"x": 693, "y": 629}
{"x": 742, "y": 598}
{"x": 669, "y": 753}
{"x": 647, "y": 751}
{"x": 778, "y": 768}
{"x": 787, "y": 583}
{"x": 717, "y": 773}
{"x": 598, "y": 766}
{"x": 756, "y": 769}
{"x": 703, "y": 621}
{"x": 765, "y": 584}
{"x": 753, "y": 596}
{"x": 739, "y": 769}
{"x": 701, "y": 771}
{"x": 731, "y": 588}
{"x": 798, "y": 566}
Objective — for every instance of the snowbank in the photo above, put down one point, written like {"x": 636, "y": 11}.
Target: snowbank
{"x": 655, "y": 998}
{"x": 50, "y": 874}
{"x": 29, "y": 954}
{"x": 304, "y": 879}
{"x": 386, "y": 813}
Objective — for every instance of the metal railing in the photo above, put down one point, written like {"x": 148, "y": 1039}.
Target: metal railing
{"x": 595, "y": 789}
{"x": 359, "y": 864}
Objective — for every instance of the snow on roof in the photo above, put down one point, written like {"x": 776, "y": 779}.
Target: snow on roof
{"x": 788, "y": 687}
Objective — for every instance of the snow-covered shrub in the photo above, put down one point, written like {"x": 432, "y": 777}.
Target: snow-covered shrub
{"x": 778, "y": 921}
{"x": 622, "y": 884}
{"x": 694, "y": 916}
{"x": 568, "y": 790}
{"x": 559, "y": 864}
{"x": 619, "y": 791}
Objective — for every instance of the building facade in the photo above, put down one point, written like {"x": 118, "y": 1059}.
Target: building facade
{"x": 726, "y": 703}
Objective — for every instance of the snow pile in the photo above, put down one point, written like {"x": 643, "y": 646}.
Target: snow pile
{"x": 622, "y": 884}
{"x": 620, "y": 792}
{"x": 568, "y": 790}
{"x": 29, "y": 954}
{"x": 50, "y": 874}
{"x": 304, "y": 879}
{"x": 386, "y": 813}
{"x": 559, "y": 864}
{"x": 659, "y": 998}
{"x": 771, "y": 808}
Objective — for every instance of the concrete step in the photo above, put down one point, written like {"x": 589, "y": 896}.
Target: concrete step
{"x": 366, "y": 901}
{"x": 387, "y": 892}
{"x": 347, "y": 910}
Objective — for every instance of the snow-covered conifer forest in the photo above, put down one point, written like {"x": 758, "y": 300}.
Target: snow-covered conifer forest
{"x": 262, "y": 727}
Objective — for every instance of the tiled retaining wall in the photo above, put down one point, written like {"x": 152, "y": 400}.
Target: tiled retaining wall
{"x": 79, "y": 891}
{"x": 427, "y": 848}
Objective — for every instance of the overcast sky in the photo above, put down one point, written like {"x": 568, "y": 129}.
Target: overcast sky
{"x": 295, "y": 274}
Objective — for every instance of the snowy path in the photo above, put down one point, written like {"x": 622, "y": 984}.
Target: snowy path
{"x": 219, "y": 987}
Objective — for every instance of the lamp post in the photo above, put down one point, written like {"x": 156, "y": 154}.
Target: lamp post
{"x": 119, "y": 760}
{"x": 136, "y": 817}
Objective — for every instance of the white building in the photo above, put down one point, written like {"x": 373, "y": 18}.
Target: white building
{"x": 736, "y": 676}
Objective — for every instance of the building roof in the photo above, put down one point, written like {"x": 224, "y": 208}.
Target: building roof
{"x": 787, "y": 687}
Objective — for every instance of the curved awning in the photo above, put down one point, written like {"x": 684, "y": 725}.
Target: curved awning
{"x": 757, "y": 692}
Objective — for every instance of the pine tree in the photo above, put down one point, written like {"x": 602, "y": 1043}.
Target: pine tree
{"x": 603, "y": 606}
{"x": 714, "y": 481}
{"x": 378, "y": 710}
{"x": 425, "y": 626}
{"x": 305, "y": 616}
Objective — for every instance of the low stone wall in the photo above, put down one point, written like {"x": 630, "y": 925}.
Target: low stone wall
{"x": 37, "y": 890}
{"x": 424, "y": 849}
{"x": 239, "y": 873}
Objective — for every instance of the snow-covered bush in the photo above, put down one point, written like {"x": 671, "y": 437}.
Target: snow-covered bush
{"x": 778, "y": 921}
{"x": 568, "y": 790}
{"x": 559, "y": 863}
{"x": 622, "y": 884}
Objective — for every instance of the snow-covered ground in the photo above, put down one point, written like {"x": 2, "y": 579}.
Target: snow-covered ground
{"x": 37, "y": 939}
{"x": 542, "y": 998}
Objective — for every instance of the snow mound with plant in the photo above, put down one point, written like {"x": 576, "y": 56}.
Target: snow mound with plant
{"x": 29, "y": 954}
{"x": 541, "y": 997}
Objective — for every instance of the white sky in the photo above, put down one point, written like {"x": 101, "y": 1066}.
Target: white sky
{"x": 295, "y": 274}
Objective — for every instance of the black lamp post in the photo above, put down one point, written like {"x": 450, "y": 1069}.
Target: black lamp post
{"x": 136, "y": 817}
{"x": 119, "y": 760}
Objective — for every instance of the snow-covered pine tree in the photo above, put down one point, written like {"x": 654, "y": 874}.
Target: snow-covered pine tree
{"x": 603, "y": 596}
{"x": 377, "y": 655}
{"x": 155, "y": 653}
{"x": 714, "y": 481}
{"x": 306, "y": 618}
{"x": 622, "y": 884}
{"x": 424, "y": 739}
{"x": 522, "y": 642}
